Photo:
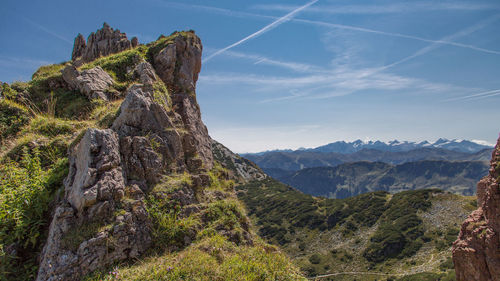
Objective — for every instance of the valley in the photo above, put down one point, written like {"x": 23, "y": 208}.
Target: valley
{"x": 365, "y": 237}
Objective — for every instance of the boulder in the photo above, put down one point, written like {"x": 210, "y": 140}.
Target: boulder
{"x": 93, "y": 83}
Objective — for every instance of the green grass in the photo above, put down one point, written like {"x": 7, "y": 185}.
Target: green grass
{"x": 118, "y": 65}
{"x": 213, "y": 258}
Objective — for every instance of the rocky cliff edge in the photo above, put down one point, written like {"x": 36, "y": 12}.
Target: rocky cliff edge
{"x": 476, "y": 253}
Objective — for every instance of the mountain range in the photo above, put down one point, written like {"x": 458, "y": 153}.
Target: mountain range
{"x": 283, "y": 161}
{"x": 352, "y": 179}
{"x": 344, "y": 147}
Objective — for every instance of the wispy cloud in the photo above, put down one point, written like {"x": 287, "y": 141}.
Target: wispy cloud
{"x": 46, "y": 30}
{"x": 289, "y": 65}
{"x": 461, "y": 33}
{"x": 336, "y": 83}
{"x": 406, "y": 7}
{"x": 393, "y": 34}
{"x": 240, "y": 14}
{"x": 263, "y": 30}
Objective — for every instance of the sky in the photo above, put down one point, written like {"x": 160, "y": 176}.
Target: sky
{"x": 289, "y": 74}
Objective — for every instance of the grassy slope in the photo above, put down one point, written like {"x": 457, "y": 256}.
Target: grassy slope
{"x": 410, "y": 232}
{"x": 40, "y": 121}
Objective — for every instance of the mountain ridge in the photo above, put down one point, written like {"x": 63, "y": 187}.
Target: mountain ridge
{"x": 350, "y": 179}
{"x": 296, "y": 160}
{"x": 343, "y": 147}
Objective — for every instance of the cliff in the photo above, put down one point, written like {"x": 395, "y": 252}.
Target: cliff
{"x": 476, "y": 253}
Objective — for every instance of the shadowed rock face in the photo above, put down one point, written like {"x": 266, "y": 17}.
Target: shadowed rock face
{"x": 104, "y": 42}
{"x": 476, "y": 253}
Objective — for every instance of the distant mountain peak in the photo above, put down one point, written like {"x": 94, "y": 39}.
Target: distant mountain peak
{"x": 395, "y": 145}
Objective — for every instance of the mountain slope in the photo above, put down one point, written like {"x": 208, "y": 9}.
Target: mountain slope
{"x": 296, "y": 160}
{"x": 365, "y": 237}
{"x": 351, "y": 179}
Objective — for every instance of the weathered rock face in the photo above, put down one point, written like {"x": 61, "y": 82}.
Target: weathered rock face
{"x": 93, "y": 83}
{"x": 87, "y": 232}
{"x": 104, "y": 42}
{"x": 178, "y": 65}
{"x": 102, "y": 218}
{"x": 476, "y": 253}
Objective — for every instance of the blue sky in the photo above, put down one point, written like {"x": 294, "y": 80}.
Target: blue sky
{"x": 301, "y": 73}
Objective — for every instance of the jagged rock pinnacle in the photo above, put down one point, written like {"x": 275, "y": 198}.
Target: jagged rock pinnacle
{"x": 103, "y": 42}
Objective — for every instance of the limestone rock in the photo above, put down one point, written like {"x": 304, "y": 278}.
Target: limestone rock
{"x": 142, "y": 124}
{"x": 178, "y": 66}
{"x": 243, "y": 168}
{"x": 134, "y": 41}
{"x": 157, "y": 133}
{"x": 186, "y": 52}
{"x": 78, "y": 47}
{"x": 93, "y": 83}
{"x": 145, "y": 73}
{"x": 476, "y": 253}
{"x": 104, "y": 42}
{"x": 93, "y": 191}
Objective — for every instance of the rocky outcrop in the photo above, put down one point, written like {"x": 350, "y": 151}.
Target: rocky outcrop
{"x": 178, "y": 65}
{"x": 104, "y": 42}
{"x": 93, "y": 226}
{"x": 93, "y": 83}
{"x": 102, "y": 218}
{"x": 476, "y": 253}
{"x": 241, "y": 167}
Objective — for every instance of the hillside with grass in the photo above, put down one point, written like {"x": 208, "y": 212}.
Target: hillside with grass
{"x": 108, "y": 173}
{"x": 373, "y": 236}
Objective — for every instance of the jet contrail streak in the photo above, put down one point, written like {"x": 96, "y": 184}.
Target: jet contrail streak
{"x": 478, "y": 95}
{"x": 267, "y": 28}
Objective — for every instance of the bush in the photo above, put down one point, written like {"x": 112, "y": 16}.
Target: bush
{"x": 315, "y": 259}
{"x": 26, "y": 190}
{"x": 12, "y": 118}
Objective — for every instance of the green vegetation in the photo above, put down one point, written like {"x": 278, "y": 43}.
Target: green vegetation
{"x": 120, "y": 66}
{"x": 374, "y": 232}
{"x": 212, "y": 258}
{"x": 401, "y": 228}
{"x": 26, "y": 190}
{"x": 12, "y": 118}
{"x": 282, "y": 210}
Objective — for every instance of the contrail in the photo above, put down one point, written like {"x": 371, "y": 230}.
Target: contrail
{"x": 436, "y": 44}
{"x": 48, "y": 31}
{"x": 477, "y": 96}
{"x": 239, "y": 14}
{"x": 393, "y": 34}
{"x": 267, "y": 28}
